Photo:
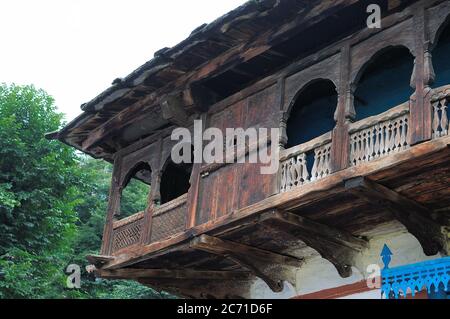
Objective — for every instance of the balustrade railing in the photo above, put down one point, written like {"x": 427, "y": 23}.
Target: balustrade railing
{"x": 295, "y": 169}
{"x": 379, "y": 135}
{"x": 439, "y": 104}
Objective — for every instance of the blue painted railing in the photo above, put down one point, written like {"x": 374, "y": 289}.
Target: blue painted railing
{"x": 434, "y": 275}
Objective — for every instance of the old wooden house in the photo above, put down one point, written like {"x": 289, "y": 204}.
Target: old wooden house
{"x": 363, "y": 151}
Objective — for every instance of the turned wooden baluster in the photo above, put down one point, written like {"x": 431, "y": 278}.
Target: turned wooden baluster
{"x": 397, "y": 139}
{"x": 304, "y": 175}
{"x": 283, "y": 177}
{"x": 436, "y": 119}
{"x": 368, "y": 144}
{"x": 444, "y": 117}
{"x": 403, "y": 139}
{"x": 292, "y": 163}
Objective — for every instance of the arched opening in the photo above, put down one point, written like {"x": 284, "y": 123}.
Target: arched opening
{"x": 384, "y": 82}
{"x": 175, "y": 180}
{"x": 312, "y": 114}
{"x": 441, "y": 55}
{"x": 135, "y": 190}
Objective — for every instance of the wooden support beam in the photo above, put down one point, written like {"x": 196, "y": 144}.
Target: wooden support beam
{"x": 335, "y": 245}
{"x": 415, "y": 217}
{"x": 99, "y": 260}
{"x": 182, "y": 274}
{"x": 263, "y": 264}
{"x": 200, "y": 289}
{"x": 173, "y": 111}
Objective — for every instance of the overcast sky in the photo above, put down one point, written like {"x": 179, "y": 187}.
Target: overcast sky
{"x": 74, "y": 49}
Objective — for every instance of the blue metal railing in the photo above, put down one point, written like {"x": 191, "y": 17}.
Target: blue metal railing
{"x": 434, "y": 275}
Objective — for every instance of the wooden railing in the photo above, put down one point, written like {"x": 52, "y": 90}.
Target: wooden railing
{"x": 168, "y": 220}
{"x": 127, "y": 232}
{"x": 439, "y": 104}
{"x": 294, "y": 163}
{"x": 380, "y": 135}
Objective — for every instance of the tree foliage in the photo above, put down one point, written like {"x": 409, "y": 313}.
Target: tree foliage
{"x": 52, "y": 205}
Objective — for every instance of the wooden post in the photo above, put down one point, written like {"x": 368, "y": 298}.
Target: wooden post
{"x": 340, "y": 149}
{"x": 423, "y": 75}
{"x": 195, "y": 187}
{"x": 113, "y": 207}
{"x": 154, "y": 198}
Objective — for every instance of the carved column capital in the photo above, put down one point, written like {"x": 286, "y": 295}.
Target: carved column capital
{"x": 156, "y": 187}
{"x": 349, "y": 109}
{"x": 283, "y": 119}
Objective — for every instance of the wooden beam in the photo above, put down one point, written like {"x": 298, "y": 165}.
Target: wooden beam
{"x": 337, "y": 246}
{"x": 327, "y": 232}
{"x": 263, "y": 264}
{"x": 182, "y": 274}
{"x": 173, "y": 111}
{"x": 200, "y": 289}
{"x": 119, "y": 121}
{"x": 99, "y": 260}
{"x": 415, "y": 217}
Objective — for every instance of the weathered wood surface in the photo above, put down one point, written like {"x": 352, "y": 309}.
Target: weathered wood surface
{"x": 337, "y": 246}
{"x": 415, "y": 217}
{"x": 263, "y": 264}
{"x": 420, "y": 161}
{"x": 182, "y": 274}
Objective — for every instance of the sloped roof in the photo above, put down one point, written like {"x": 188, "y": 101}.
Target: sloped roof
{"x": 236, "y": 37}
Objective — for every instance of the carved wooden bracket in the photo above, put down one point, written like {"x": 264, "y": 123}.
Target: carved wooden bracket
{"x": 268, "y": 266}
{"x": 415, "y": 217}
{"x": 332, "y": 244}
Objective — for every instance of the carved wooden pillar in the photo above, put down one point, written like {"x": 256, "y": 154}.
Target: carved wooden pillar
{"x": 113, "y": 209}
{"x": 345, "y": 113}
{"x": 193, "y": 193}
{"x": 422, "y": 78}
{"x": 283, "y": 130}
{"x": 156, "y": 190}
{"x": 154, "y": 199}
{"x": 284, "y": 114}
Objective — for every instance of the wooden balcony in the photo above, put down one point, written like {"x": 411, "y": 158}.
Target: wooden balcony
{"x": 387, "y": 181}
{"x": 168, "y": 220}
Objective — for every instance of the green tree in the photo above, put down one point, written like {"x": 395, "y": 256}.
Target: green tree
{"x": 92, "y": 212}
{"x": 52, "y": 205}
{"x": 37, "y": 196}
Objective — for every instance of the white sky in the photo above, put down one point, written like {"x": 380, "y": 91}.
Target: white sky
{"x": 74, "y": 49}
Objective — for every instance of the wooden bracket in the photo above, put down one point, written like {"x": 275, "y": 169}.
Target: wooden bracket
{"x": 446, "y": 233}
{"x": 332, "y": 244}
{"x": 265, "y": 265}
{"x": 173, "y": 111}
{"x": 415, "y": 217}
{"x": 99, "y": 261}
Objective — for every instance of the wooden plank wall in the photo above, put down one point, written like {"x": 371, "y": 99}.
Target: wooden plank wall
{"x": 236, "y": 185}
